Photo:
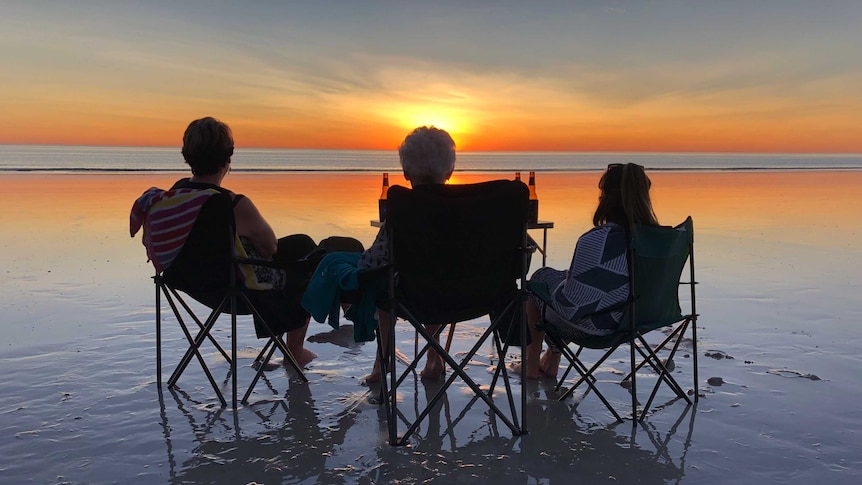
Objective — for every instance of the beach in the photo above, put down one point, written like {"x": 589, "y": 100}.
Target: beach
{"x": 778, "y": 254}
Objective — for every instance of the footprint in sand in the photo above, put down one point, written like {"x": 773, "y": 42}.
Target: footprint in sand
{"x": 792, "y": 373}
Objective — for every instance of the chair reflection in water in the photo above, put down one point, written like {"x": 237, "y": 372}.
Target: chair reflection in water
{"x": 458, "y": 252}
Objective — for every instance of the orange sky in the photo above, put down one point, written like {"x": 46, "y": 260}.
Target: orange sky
{"x": 624, "y": 76}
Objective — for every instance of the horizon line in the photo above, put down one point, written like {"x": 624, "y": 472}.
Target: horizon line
{"x": 459, "y": 151}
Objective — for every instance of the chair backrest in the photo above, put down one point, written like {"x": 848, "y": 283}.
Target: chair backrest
{"x": 457, "y": 249}
{"x": 205, "y": 263}
{"x": 657, "y": 258}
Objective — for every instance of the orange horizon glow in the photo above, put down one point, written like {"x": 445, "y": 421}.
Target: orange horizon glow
{"x": 464, "y": 143}
{"x": 382, "y": 125}
{"x": 469, "y": 135}
{"x": 479, "y": 119}
{"x": 562, "y": 78}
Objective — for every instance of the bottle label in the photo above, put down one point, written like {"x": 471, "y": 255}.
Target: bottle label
{"x": 533, "y": 212}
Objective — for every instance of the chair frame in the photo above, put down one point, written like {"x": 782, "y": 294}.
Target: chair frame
{"x": 234, "y": 294}
{"x": 638, "y": 346}
{"x": 391, "y": 380}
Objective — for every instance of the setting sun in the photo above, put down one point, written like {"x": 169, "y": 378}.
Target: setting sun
{"x": 452, "y": 120}
{"x": 570, "y": 76}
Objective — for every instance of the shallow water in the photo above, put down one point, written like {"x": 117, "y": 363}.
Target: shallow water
{"x": 777, "y": 257}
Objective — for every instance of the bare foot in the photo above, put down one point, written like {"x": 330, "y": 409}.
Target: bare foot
{"x": 375, "y": 375}
{"x": 533, "y": 375}
{"x": 550, "y": 364}
{"x": 434, "y": 369}
{"x": 372, "y": 378}
{"x": 270, "y": 365}
{"x": 303, "y": 358}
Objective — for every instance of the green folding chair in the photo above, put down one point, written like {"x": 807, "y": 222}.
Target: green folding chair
{"x": 657, "y": 257}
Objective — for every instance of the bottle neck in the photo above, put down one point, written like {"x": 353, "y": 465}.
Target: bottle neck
{"x": 385, "y": 186}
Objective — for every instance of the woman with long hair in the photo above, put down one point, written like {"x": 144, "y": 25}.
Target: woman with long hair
{"x": 588, "y": 299}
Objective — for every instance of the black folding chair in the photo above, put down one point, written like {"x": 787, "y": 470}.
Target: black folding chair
{"x": 206, "y": 270}
{"x": 657, "y": 257}
{"x": 459, "y": 252}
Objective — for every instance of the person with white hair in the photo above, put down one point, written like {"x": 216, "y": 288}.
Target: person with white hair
{"x": 427, "y": 157}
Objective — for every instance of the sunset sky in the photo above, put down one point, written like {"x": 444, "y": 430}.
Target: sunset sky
{"x": 764, "y": 76}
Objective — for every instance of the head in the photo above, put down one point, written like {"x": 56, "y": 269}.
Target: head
{"x": 207, "y": 146}
{"x": 427, "y": 156}
{"x": 625, "y": 196}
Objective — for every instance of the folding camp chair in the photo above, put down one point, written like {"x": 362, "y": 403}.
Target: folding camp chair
{"x": 657, "y": 256}
{"x": 206, "y": 270}
{"x": 458, "y": 252}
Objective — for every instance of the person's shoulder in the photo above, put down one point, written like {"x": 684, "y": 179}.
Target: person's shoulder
{"x": 187, "y": 183}
{"x": 604, "y": 229}
{"x": 181, "y": 184}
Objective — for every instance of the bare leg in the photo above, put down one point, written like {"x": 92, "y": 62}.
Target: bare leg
{"x": 296, "y": 345}
{"x": 383, "y": 326}
{"x": 537, "y": 337}
{"x": 434, "y": 367}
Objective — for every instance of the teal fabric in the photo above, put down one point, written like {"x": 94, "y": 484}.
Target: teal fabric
{"x": 337, "y": 273}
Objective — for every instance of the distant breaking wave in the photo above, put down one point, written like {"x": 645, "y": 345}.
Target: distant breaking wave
{"x": 78, "y": 159}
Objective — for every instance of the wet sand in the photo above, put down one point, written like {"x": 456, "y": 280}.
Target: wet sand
{"x": 778, "y": 256}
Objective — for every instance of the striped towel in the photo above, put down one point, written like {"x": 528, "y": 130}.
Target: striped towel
{"x": 167, "y": 217}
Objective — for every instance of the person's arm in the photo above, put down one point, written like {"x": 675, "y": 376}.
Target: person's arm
{"x": 251, "y": 224}
{"x": 377, "y": 255}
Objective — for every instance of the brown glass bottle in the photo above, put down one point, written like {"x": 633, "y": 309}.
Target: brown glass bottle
{"x": 533, "y": 213}
{"x": 383, "y": 203}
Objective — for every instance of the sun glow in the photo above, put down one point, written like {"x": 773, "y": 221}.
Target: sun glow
{"x": 453, "y": 120}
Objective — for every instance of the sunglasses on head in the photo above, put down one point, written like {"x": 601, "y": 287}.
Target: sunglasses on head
{"x": 614, "y": 166}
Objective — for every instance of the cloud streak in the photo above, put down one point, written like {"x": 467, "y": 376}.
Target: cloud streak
{"x": 508, "y": 75}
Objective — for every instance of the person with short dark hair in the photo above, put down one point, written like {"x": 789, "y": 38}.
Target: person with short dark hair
{"x": 207, "y": 148}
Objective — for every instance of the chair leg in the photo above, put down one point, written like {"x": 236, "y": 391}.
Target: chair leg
{"x": 204, "y": 331}
{"x": 233, "y": 370}
{"x": 418, "y": 354}
{"x": 663, "y": 373}
{"x": 275, "y": 339}
{"x": 268, "y": 349}
{"x": 392, "y": 393}
{"x": 586, "y": 376}
{"x": 694, "y": 355}
{"x": 159, "y": 335}
{"x": 458, "y": 371}
{"x": 658, "y": 348}
{"x": 200, "y": 325}
{"x": 194, "y": 349}
{"x": 634, "y": 389}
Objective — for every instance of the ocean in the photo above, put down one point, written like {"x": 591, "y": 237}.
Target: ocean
{"x": 53, "y": 158}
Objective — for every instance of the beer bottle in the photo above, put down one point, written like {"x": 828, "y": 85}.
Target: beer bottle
{"x": 533, "y": 214}
{"x": 382, "y": 203}
{"x": 518, "y": 176}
